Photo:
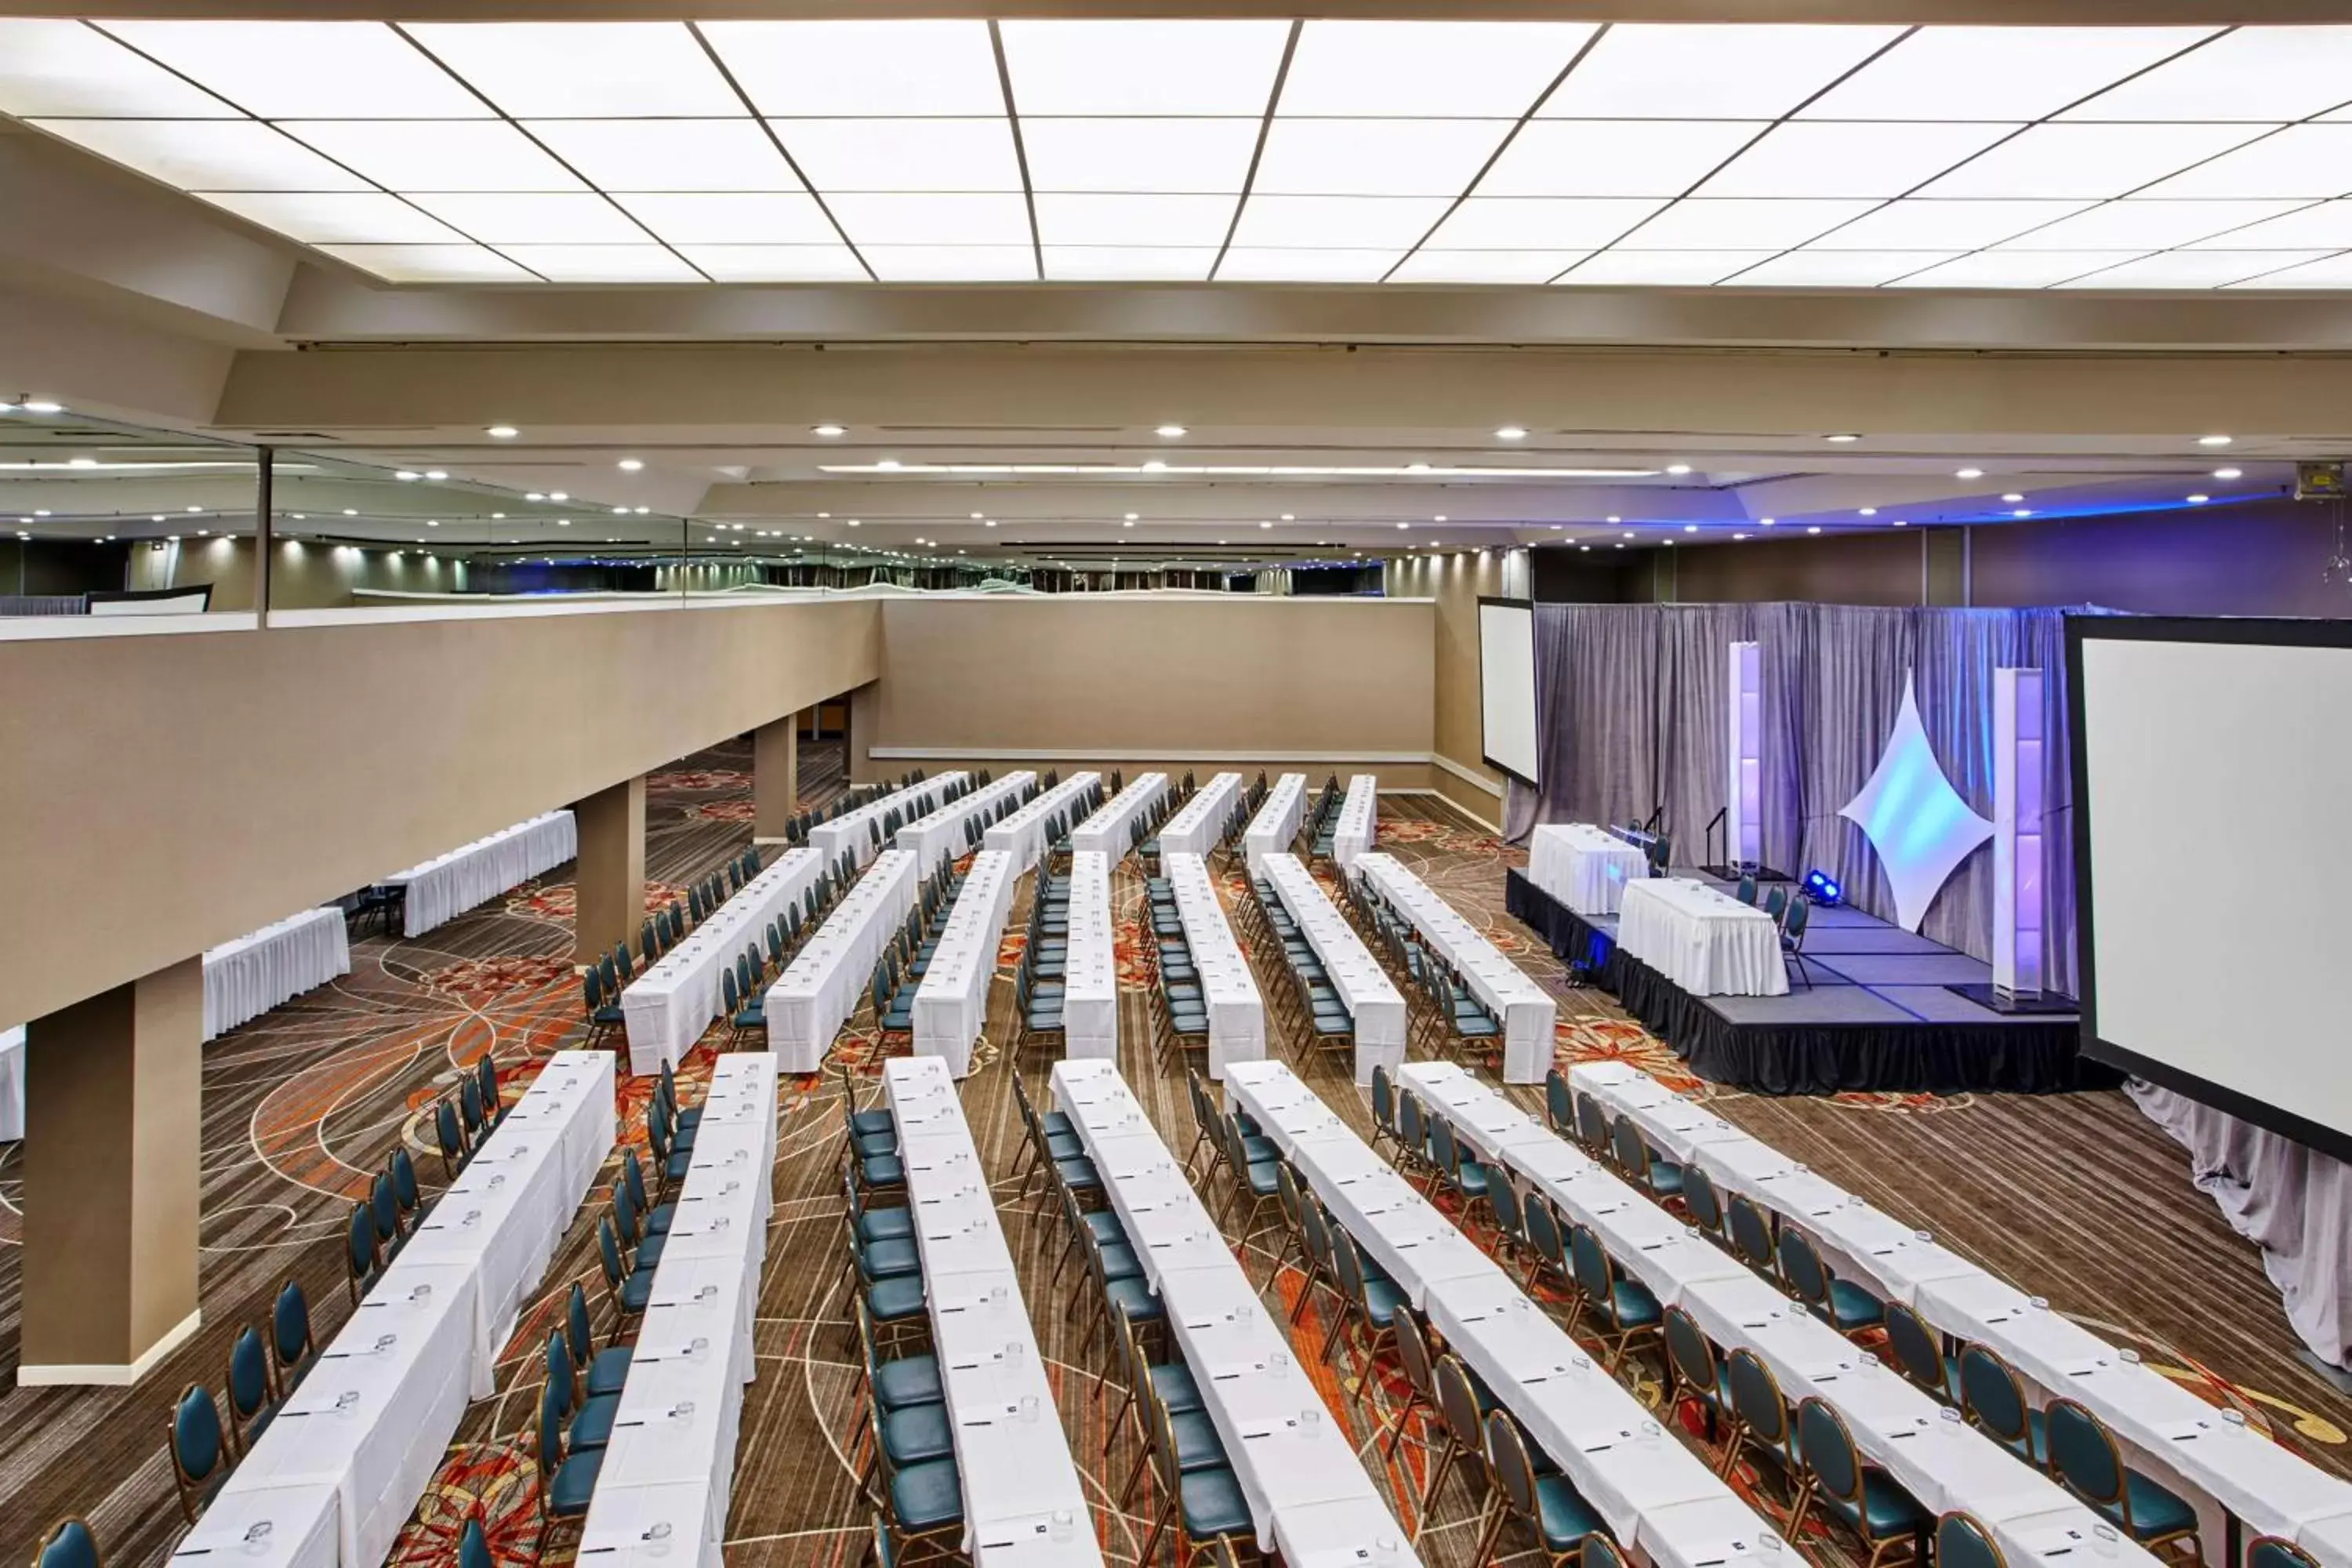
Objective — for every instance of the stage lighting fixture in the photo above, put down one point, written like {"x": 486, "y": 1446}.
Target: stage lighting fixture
{"x": 1821, "y": 889}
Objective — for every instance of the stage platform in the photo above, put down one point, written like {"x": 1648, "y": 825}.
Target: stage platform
{"x": 1879, "y": 1014}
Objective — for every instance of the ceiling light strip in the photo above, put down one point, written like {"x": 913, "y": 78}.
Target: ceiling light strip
{"x": 1260, "y": 470}
{"x": 1257, "y": 152}
{"x": 769, "y": 130}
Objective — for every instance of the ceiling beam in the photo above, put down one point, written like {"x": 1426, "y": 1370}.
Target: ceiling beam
{"x": 1987, "y": 13}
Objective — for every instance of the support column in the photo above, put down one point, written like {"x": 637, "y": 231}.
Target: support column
{"x": 610, "y": 891}
{"x": 858, "y": 728}
{"x": 113, "y": 1167}
{"x": 775, "y": 778}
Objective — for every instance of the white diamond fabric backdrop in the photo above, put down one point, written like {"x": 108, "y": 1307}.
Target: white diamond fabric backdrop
{"x": 1913, "y": 816}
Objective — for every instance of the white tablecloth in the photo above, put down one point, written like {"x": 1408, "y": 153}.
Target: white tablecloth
{"x": 12, "y": 1083}
{"x": 669, "y": 1005}
{"x": 1196, "y": 829}
{"x": 951, "y": 1004}
{"x": 1371, "y": 998}
{"x": 1022, "y": 834}
{"x": 667, "y": 1479}
{"x": 853, "y": 829}
{"x": 941, "y": 833}
{"x": 1025, "y": 1506}
{"x": 248, "y": 977}
{"x": 297, "y": 1524}
{"x": 1526, "y": 1008}
{"x": 1359, "y": 824}
{"x": 1110, "y": 830}
{"x": 1275, "y": 826}
{"x": 1584, "y": 866}
{"x": 1090, "y": 962}
{"x": 1236, "y": 1011}
{"x": 1658, "y": 1498}
{"x": 1308, "y": 1495}
{"x": 446, "y": 887}
{"x": 1702, "y": 938}
{"x": 827, "y": 978}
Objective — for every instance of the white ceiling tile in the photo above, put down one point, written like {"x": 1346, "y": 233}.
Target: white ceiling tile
{"x": 952, "y": 263}
{"x": 1541, "y": 223}
{"x": 1506, "y": 267}
{"x": 208, "y": 154}
{"x": 2013, "y": 268}
{"x": 2309, "y": 161}
{"x": 431, "y": 263}
{"x": 2194, "y": 269}
{"x": 1435, "y": 69}
{"x": 2326, "y": 226}
{"x": 2254, "y": 73}
{"x": 2145, "y": 225}
{"x": 1982, "y": 73}
{"x": 1740, "y": 225}
{"x": 50, "y": 67}
{"x": 1647, "y": 70}
{"x": 903, "y": 154}
{"x": 1837, "y": 158}
{"x": 2328, "y": 272}
{"x": 890, "y": 68}
{"x": 714, "y": 217}
{"x": 1283, "y": 222}
{"x": 308, "y": 70}
{"x": 1375, "y": 157}
{"x": 1259, "y": 264}
{"x": 1133, "y": 221}
{"x": 669, "y": 154}
{"x": 603, "y": 263}
{"x": 1150, "y": 155}
{"x": 439, "y": 154}
{"x": 1613, "y": 157}
{"x": 776, "y": 263}
{"x": 931, "y": 220}
{"x": 2086, "y": 160}
{"x": 339, "y": 217}
{"x": 1186, "y": 264}
{"x": 582, "y": 70}
{"x": 1662, "y": 268}
{"x": 1918, "y": 224}
{"x": 1142, "y": 68}
{"x": 1836, "y": 268}
{"x": 519, "y": 217}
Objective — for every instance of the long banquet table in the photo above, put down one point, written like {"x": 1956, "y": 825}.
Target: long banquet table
{"x": 668, "y": 1007}
{"x": 248, "y": 977}
{"x": 1196, "y": 829}
{"x": 1309, "y": 1497}
{"x": 1022, "y": 834}
{"x": 448, "y": 885}
{"x": 2165, "y": 1428}
{"x": 822, "y": 986}
{"x": 1373, "y": 1001}
{"x": 1701, "y": 938}
{"x": 951, "y": 1004}
{"x": 1584, "y": 867}
{"x": 941, "y": 833}
{"x": 854, "y": 829}
{"x": 1658, "y": 1498}
{"x": 1110, "y": 830}
{"x": 1090, "y": 961}
{"x": 1527, "y": 1010}
{"x": 668, "y": 1475}
{"x": 1359, "y": 824}
{"x": 1025, "y": 1506}
{"x": 1275, "y": 825}
{"x": 340, "y": 1467}
{"x": 1236, "y": 1011}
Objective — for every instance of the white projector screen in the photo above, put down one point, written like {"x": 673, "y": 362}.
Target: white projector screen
{"x": 1507, "y": 687}
{"x": 2213, "y": 856}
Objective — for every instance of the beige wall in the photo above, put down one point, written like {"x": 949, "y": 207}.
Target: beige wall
{"x": 1132, "y": 683}
{"x": 1454, "y": 583}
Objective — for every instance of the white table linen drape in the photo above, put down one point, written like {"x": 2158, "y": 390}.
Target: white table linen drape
{"x": 1526, "y": 1009}
{"x": 248, "y": 977}
{"x": 1359, "y": 826}
{"x": 1701, "y": 938}
{"x": 822, "y": 985}
{"x": 951, "y": 1004}
{"x": 1196, "y": 829}
{"x": 447, "y": 886}
{"x": 1236, "y": 1011}
{"x": 1584, "y": 866}
{"x": 854, "y": 829}
{"x": 1372, "y": 998}
{"x": 941, "y": 833}
{"x": 1275, "y": 826}
{"x": 1110, "y": 830}
{"x": 1022, "y": 834}
{"x": 1090, "y": 961}
{"x": 668, "y": 1007}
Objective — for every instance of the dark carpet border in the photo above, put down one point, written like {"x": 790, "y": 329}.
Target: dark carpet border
{"x": 1815, "y": 1058}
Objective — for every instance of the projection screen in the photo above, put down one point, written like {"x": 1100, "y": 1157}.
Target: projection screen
{"x": 2213, "y": 861}
{"x": 1506, "y": 688}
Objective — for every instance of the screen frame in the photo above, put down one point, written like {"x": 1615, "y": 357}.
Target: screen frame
{"x": 2250, "y": 632}
{"x": 1534, "y": 684}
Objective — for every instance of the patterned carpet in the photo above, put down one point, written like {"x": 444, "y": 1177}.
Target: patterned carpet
{"x": 2077, "y": 1198}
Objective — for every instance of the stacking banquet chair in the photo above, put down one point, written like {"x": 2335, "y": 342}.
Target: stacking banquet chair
{"x": 361, "y": 1261}
{"x": 1662, "y": 1179}
{"x": 1371, "y": 1304}
{"x": 1548, "y": 1261}
{"x": 1253, "y": 1178}
{"x": 602, "y": 1009}
{"x": 603, "y": 1371}
{"x": 291, "y": 1349}
{"x": 1761, "y": 1423}
{"x": 1560, "y": 1104}
{"x": 1792, "y": 937}
{"x": 587, "y": 1419}
{"x": 1849, "y": 1309}
{"x": 251, "y": 1393}
{"x": 1470, "y": 1182}
{"x": 1701, "y": 1204}
{"x": 1592, "y": 1127}
{"x": 70, "y": 1545}
{"x": 568, "y": 1479}
{"x": 199, "y": 1450}
{"x": 2084, "y": 1458}
{"x": 1547, "y": 1504}
{"x": 1861, "y": 1498}
{"x": 1962, "y": 1542}
{"x": 1747, "y": 894}
{"x": 1992, "y": 1397}
{"x": 1918, "y": 1353}
{"x": 1751, "y": 1237}
{"x": 1625, "y": 1309}
{"x": 1170, "y": 1386}
{"x": 2261, "y": 1552}
{"x": 1698, "y": 1371}
{"x": 1204, "y": 1503}
{"x": 1461, "y": 1437}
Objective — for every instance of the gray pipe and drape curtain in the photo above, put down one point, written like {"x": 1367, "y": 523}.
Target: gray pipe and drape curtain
{"x": 1631, "y": 702}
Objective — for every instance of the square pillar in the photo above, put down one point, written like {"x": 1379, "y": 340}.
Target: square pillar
{"x": 609, "y": 892}
{"x": 113, "y": 1167}
{"x": 775, "y": 778}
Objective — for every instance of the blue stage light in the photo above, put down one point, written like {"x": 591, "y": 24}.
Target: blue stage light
{"x": 1821, "y": 889}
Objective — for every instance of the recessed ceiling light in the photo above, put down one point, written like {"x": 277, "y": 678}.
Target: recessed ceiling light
{"x": 2202, "y": 440}
{"x": 2022, "y": 511}
{"x": 2198, "y": 500}
{"x": 41, "y": 407}
{"x": 2228, "y": 473}
{"x": 1172, "y": 431}
{"x": 1289, "y": 518}
{"x": 1405, "y": 525}
{"x": 559, "y": 495}
{"x": 620, "y": 511}
{"x": 407, "y": 474}
{"x": 1620, "y": 546}
{"x": 501, "y": 432}
{"x": 990, "y": 523}
{"x": 1511, "y": 433}
{"x": 1767, "y": 521}
{"x": 195, "y": 508}
{"x": 1628, "y": 533}
{"x": 435, "y": 522}
{"x": 1690, "y": 528}
{"x": 1902, "y": 523}
{"x": 535, "y": 495}
{"x": 1815, "y": 528}
{"x": 1270, "y": 525}
{"x": 1868, "y": 511}
{"x": 1615, "y": 519}
{"x": 828, "y": 431}
{"x": 157, "y": 518}
{"x": 1678, "y": 470}
{"x": 1841, "y": 438}
{"x": 1439, "y": 518}
{"x": 856, "y": 523}
{"x": 434, "y": 474}
{"x": 1970, "y": 474}
{"x": 1738, "y": 536}
{"x": 351, "y": 511}
{"x": 630, "y": 465}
